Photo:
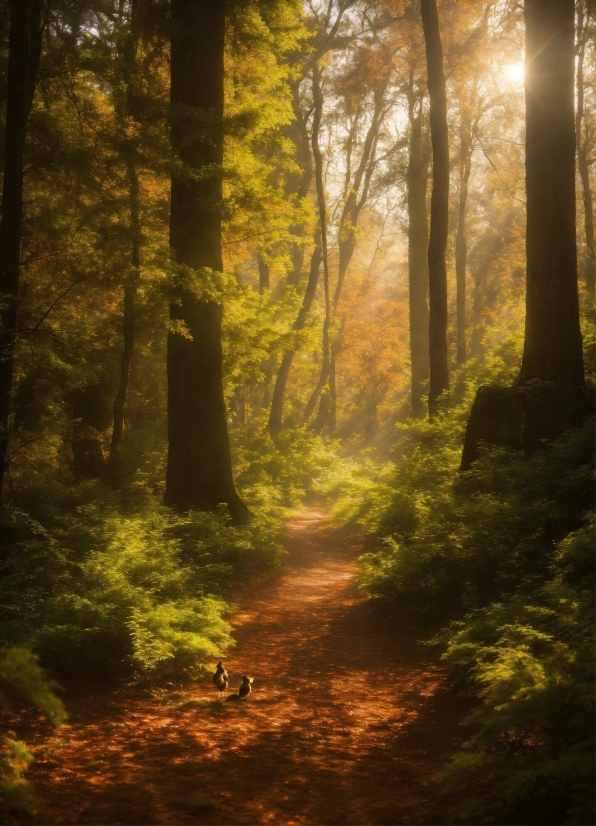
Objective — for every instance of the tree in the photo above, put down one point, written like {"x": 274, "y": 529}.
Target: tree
{"x": 417, "y": 180}
{"x": 126, "y": 62}
{"x": 552, "y": 343}
{"x": 439, "y": 206}
{"x": 199, "y": 470}
{"x": 584, "y": 135}
{"x": 25, "y": 39}
{"x": 549, "y": 396}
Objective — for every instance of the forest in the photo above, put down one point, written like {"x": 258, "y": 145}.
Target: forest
{"x": 297, "y": 365}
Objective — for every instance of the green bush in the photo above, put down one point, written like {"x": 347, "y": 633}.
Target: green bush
{"x": 531, "y": 757}
{"x": 108, "y": 591}
{"x": 22, "y": 683}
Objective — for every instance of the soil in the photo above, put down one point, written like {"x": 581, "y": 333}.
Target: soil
{"x": 349, "y": 720}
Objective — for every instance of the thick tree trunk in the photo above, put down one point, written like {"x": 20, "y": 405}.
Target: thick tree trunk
{"x": 552, "y": 344}
{"x": 276, "y": 413}
{"x": 199, "y": 471}
{"x": 583, "y": 163}
{"x": 24, "y": 53}
{"x": 549, "y": 397}
{"x": 417, "y": 179}
{"x": 439, "y": 206}
{"x": 461, "y": 247}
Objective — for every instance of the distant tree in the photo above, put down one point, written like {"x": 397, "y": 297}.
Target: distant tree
{"x": 199, "y": 470}
{"x": 439, "y": 205}
{"x": 553, "y": 343}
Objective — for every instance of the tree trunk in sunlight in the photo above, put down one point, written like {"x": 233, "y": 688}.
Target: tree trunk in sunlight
{"x": 461, "y": 247}
{"x": 417, "y": 179}
{"x": 439, "y": 206}
{"x": 24, "y": 54}
{"x": 320, "y": 187}
{"x": 549, "y": 397}
{"x": 199, "y": 471}
{"x": 552, "y": 344}
{"x": 276, "y": 413}
{"x": 584, "y": 147}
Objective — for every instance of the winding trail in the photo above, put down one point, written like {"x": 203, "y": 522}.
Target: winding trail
{"x": 349, "y": 720}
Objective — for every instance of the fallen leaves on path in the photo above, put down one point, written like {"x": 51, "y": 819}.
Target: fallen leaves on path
{"x": 348, "y": 721}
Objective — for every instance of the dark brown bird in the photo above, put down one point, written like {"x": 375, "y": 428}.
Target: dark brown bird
{"x": 220, "y": 678}
{"x": 244, "y": 689}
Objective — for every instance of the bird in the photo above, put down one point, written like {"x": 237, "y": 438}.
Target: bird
{"x": 220, "y": 678}
{"x": 244, "y": 689}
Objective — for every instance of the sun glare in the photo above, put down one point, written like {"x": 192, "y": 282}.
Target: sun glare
{"x": 514, "y": 73}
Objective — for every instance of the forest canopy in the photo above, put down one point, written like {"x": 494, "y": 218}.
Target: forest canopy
{"x": 264, "y": 252}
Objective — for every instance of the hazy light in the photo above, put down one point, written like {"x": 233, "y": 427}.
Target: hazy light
{"x": 514, "y": 72}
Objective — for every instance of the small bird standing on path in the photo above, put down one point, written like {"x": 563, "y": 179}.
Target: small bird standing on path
{"x": 220, "y": 678}
{"x": 244, "y": 689}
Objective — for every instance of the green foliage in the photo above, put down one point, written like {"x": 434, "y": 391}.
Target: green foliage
{"x": 22, "y": 683}
{"x": 532, "y": 751}
{"x": 505, "y": 553}
{"x": 115, "y": 590}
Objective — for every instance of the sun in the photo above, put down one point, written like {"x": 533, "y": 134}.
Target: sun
{"x": 514, "y": 72}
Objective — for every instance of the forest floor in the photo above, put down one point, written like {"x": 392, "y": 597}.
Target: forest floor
{"x": 349, "y": 720}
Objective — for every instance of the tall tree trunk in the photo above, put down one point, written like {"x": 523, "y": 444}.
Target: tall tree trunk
{"x": 552, "y": 344}
{"x": 583, "y": 150}
{"x": 128, "y": 322}
{"x": 199, "y": 471}
{"x": 461, "y": 248}
{"x": 439, "y": 206}
{"x": 549, "y": 397}
{"x": 132, "y": 278}
{"x": 24, "y": 53}
{"x": 318, "y": 158}
{"x": 299, "y": 133}
{"x": 276, "y": 413}
{"x": 417, "y": 178}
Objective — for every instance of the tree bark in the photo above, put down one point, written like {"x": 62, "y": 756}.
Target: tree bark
{"x": 552, "y": 344}
{"x": 461, "y": 247}
{"x": 199, "y": 470}
{"x": 417, "y": 179}
{"x": 318, "y": 158}
{"x": 550, "y": 395}
{"x": 128, "y": 324}
{"x": 301, "y": 184}
{"x": 276, "y": 413}
{"x": 583, "y": 164}
{"x": 263, "y": 274}
{"x": 24, "y": 54}
{"x": 439, "y": 206}
{"x": 132, "y": 278}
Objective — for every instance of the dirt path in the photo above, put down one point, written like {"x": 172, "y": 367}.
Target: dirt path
{"x": 349, "y": 719}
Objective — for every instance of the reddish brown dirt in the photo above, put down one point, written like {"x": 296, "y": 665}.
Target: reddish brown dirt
{"x": 348, "y": 723}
